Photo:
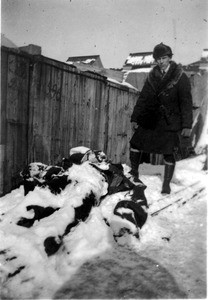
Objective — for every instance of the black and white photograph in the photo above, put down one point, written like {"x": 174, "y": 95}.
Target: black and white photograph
{"x": 103, "y": 149}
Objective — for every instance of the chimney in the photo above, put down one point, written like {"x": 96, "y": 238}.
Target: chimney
{"x": 31, "y": 49}
{"x": 204, "y": 55}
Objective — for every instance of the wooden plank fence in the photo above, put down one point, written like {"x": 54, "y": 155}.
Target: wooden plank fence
{"x": 48, "y": 107}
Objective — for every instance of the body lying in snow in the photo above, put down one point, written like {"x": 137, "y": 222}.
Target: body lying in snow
{"x": 131, "y": 214}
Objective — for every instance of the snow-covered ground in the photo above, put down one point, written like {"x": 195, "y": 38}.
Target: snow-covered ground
{"x": 167, "y": 261}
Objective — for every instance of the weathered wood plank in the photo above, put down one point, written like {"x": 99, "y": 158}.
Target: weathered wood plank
{"x": 15, "y": 118}
{"x": 3, "y": 127}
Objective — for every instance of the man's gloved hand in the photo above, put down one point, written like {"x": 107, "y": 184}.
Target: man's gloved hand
{"x": 186, "y": 132}
{"x": 134, "y": 126}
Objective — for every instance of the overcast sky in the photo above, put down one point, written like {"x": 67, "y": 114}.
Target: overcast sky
{"x": 109, "y": 28}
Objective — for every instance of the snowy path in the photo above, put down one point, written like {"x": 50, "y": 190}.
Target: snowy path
{"x": 192, "y": 192}
{"x": 184, "y": 253}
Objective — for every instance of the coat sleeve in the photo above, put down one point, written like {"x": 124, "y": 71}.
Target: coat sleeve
{"x": 185, "y": 101}
{"x": 141, "y": 104}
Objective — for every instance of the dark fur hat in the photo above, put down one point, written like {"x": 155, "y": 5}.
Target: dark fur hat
{"x": 162, "y": 50}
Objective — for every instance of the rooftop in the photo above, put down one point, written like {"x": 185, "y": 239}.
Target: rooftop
{"x": 139, "y": 60}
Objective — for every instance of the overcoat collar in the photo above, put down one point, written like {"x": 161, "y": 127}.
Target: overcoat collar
{"x": 171, "y": 78}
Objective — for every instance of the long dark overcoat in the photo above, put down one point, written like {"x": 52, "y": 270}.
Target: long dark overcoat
{"x": 163, "y": 109}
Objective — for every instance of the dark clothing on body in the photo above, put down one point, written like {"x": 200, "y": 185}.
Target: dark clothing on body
{"x": 163, "y": 109}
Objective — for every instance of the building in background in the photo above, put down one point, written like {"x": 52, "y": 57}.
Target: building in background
{"x": 7, "y": 42}
{"x": 87, "y": 61}
{"x": 93, "y": 63}
{"x": 140, "y": 60}
{"x": 136, "y": 68}
{"x": 199, "y": 66}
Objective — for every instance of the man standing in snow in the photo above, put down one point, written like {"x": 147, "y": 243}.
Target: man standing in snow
{"x": 162, "y": 114}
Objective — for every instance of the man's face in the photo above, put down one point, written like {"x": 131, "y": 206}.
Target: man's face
{"x": 163, "y": 62}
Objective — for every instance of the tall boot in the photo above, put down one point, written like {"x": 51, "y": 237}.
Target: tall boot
{"x": 135, "y": 158}
{"x": 169, "y": 170}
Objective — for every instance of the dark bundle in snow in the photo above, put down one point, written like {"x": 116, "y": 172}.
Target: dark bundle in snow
{"x": 129, "y": 212}
{"x": 38, "y": 174}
